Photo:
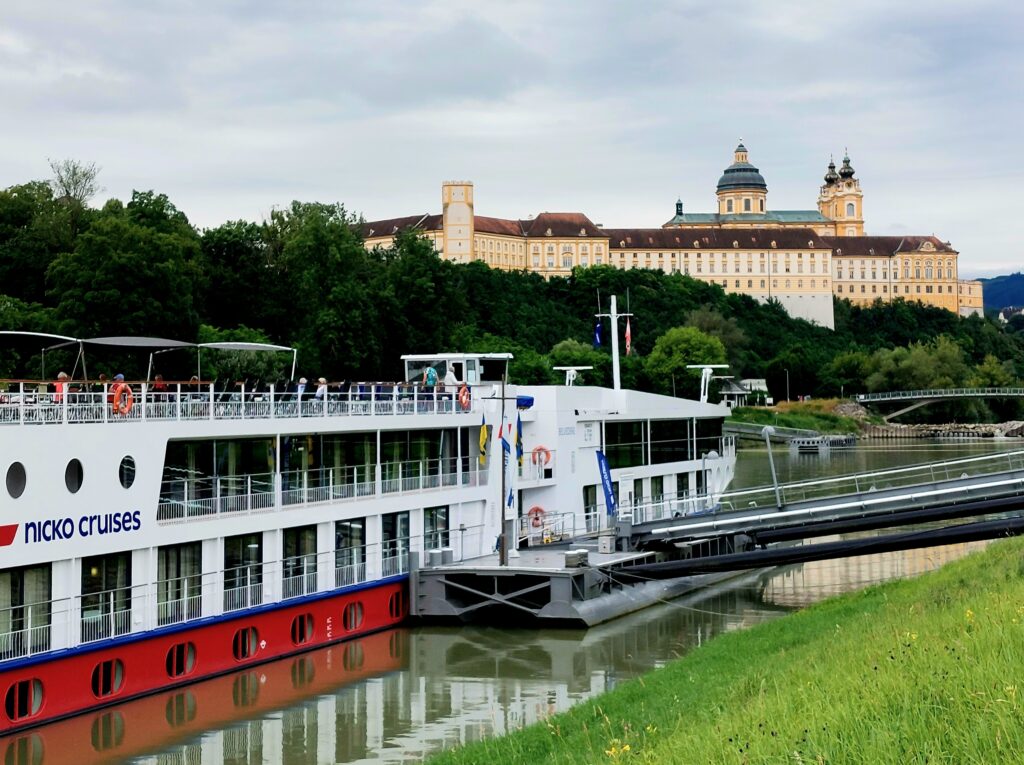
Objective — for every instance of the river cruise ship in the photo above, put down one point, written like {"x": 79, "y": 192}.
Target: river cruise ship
{"x": 155, "y": 534}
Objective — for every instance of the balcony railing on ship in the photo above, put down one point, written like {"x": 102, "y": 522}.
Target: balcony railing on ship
{"x": 35, "y": 403}
{"x": 66, "y": 622}
{"x": 187, "y": 498}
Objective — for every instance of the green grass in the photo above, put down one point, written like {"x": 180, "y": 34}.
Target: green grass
{"x": 924, "y": 670}
{"x": 808, "y": 416}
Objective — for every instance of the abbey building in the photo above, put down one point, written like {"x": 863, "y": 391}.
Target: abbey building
{"x": 799, "y": 257}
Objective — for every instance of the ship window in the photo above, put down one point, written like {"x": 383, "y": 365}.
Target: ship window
{"x": 396, "y": 605}
{"x": 24, "y": 699}
{"x": 181, "y": 659}
{"x": 352, "y": 616}
{"x": 302, "y": 629}
{"x": 126, "y": 473}
{"x": 181, "y": 708}
{"x": 73, "y": 476}
{"x": 16, "y": 480}
{"x": 245, "y": 643}
{"x": 352, "y": 659}
{"x": 107, "y": 678}
{"x": 107, "y": 731}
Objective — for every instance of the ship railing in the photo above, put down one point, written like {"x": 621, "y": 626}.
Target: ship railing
{"x": 106, "y": 614}
{"x": 679, "y": 505}
{"x": 350, "y": 565}
{"x": 395, "y": 557}
{"x": 243, "y": 586}
{"x": 538, "y": 464}
{"x": 299, "y": 576}
{"x": 180, "y": 600}
{"x": 303, "y": 487}
{"x": 27, "y": 402}
{"x": 547, "y": 528}
{"x": 418, "y": 475}
{"x": 25, "y": 630}
{"x": 877, "y": 480}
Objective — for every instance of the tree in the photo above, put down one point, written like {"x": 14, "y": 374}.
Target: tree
{"x": 123, "y": 279}
{"x": 73, "y": 180}
{"x": 673, "y": 351}
{"x": 573, "y": 353}
{"x": 711, "y": 322}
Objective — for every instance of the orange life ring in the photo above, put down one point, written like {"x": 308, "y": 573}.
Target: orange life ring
{"x": 464, "y": 397}
{"x": 122, "y": 399}
{"x": 539, "y": 453}
{"x": 536, "y": 516}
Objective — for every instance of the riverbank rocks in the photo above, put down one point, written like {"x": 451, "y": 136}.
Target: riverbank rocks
{"x": 851, "y": 409}
{"x": 1012, "y": 429}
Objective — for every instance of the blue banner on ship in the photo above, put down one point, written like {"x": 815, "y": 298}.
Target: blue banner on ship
{"x": 606, "y": 483}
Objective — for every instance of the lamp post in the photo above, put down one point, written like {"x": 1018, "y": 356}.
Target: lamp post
{"x": 787, "y": 385}
{"x": 768, "y": 431}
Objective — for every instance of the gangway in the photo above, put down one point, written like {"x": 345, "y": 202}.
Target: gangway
{"x": 959, "y": 486}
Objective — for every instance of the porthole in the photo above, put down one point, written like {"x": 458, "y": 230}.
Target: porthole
{"x": 352, "y": 659}
{"x": 16, "y": 480}
{"x": 181, "y": 659}
{"x": 245, "y": 643}
{"x": 107, "y": 678}
{"x": 73, "y": 476}
{"x": 24, "y": 699}
{"x": 352, "y": 616}
{"x": 181, "y": 709}
{"x": 302, "y": 629}
{"x": 396, "y": 605}
{"x": 107, "y": 731}
{"x": 126, "y": 473}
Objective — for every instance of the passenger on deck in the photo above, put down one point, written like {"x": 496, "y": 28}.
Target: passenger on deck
{"x": 321, "y": 389}
{"x": 60, "y": 388}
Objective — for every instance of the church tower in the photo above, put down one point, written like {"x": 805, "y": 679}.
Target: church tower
{"x": 741, "y": 189}
{"x": 841, "y": 199}
{"x": 457, "y": 220}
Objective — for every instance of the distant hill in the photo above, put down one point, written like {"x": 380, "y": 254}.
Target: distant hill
{"x": 1001, "y": 291}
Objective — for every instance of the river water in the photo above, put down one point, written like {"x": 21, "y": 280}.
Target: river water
{"x": 398, "y": 696}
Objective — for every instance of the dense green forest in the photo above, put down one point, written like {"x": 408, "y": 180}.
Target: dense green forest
{"x": 302, "y": 277}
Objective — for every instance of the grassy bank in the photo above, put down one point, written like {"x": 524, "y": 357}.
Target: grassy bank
{"x": 810, "y": 415}
{"x": 924, "y": 670}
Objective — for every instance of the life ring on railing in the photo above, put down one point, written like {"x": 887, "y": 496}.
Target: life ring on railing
{"x": 536, "y": 516}
{"x": 121, "y": 399}
{"x": 464, "y": 397}
{"x": 541, "y": 453}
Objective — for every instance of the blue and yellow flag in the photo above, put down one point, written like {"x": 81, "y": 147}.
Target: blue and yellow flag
{"x": 519, "y": 439}
{"x": 483, "y": 439}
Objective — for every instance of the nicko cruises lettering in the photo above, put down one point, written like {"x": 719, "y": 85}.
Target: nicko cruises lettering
{"x": 87, "y": 526}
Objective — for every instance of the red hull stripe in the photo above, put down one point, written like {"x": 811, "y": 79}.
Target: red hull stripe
{"x": 67, "y": 677}
{"x": 7, "y": 534}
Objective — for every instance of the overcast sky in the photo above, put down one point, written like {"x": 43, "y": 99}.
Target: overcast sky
{"x": 614, "y": 109}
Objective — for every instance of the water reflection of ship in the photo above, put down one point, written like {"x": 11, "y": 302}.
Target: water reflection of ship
{"x": 167, "y": 719}
{"x": 801, "y": 585}
{"x": 348, "y": 702}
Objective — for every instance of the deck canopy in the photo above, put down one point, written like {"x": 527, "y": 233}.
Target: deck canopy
{"x": 155, "y": 345}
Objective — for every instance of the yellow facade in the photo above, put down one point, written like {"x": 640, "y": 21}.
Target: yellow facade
{"x": 799, "y": 257}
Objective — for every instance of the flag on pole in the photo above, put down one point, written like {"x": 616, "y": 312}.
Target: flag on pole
{"x": 629, "y": 337}
{"x": 507, "y": 435}
{"x": 597, "y": 334}
{"x": 519, "y": 440}
{"x": 483, "y": 439}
